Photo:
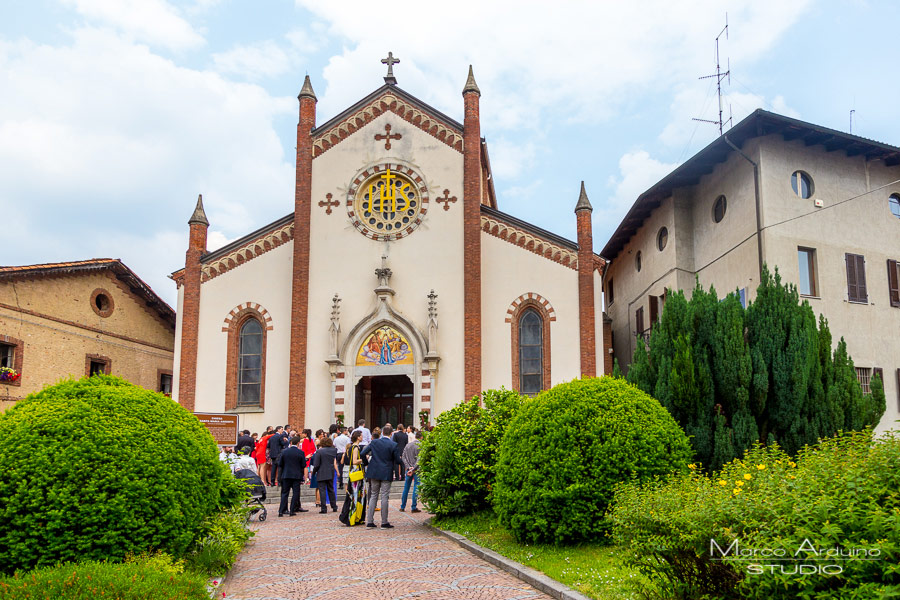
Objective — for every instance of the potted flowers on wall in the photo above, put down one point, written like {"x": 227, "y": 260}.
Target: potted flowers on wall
{"x": 8, "y": 375}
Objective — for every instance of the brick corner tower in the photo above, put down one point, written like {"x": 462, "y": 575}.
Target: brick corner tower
{"x": 190, "y": 310}
{"x": 300, "y": 274}
{"x": 586, "y": 325}
{"x": 472, "y": 236}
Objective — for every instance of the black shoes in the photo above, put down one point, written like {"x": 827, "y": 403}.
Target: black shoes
{"x": 387, "y": 526}
{"x": 402, "y": 510}
{"x": 371, "y": 525}
{"x": 302, "y": 510}
{"x": 415, "y": 510}
{"x": 280, "y": 514}
{"x": 334, "y": 509}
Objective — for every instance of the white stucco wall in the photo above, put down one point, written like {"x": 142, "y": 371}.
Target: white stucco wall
{"x": 509, "y": 271}
{"x": 343, "y": 261}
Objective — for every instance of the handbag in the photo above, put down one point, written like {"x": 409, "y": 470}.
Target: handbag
{"x": 356, "y": 475}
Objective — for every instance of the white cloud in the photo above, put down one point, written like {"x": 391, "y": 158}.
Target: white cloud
{"x": 637, "y": 172}
{"x": 108, "y": 145}
{"x": 152, "y": 21}
{"x": 254, "y": 61}
{"x": 509, "y": 158}
{"x": 580, "y": 61}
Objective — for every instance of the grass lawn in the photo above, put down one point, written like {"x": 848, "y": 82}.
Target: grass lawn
{"x": 594, "y": 570}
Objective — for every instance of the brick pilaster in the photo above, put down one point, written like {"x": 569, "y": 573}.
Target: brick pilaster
{"x": 607, "y": 346}
{"x": 472, "y": 238}
{"x": 300, "y": 275}
{"x": 586, "y": 324}
{"x": 190, "y": 307}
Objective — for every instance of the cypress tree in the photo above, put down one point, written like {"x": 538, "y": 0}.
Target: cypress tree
{"x": 731, "y": 376}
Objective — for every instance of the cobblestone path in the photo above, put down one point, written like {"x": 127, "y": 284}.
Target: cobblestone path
{"x": 312, "y": 555}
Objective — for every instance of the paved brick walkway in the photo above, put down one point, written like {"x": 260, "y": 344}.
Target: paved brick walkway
{"x": 314, "y": 556}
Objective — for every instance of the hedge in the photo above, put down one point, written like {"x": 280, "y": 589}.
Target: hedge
{"x": 99, "y": 468}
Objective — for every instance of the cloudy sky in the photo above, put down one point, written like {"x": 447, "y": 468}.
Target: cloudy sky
{"x": 115, "y": 114}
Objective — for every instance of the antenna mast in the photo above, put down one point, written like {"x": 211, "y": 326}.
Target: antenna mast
{"x": 719, "y": 75}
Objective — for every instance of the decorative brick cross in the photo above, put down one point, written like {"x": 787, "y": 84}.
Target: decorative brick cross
{"x": 388, "y": 136}
{"x": 328, "y": 204}
{"x": 447, "y": 199}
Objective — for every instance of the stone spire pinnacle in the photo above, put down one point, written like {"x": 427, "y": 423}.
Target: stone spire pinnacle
{"x": 199, "y": 216}
{"x": 583, "y": 202}
{"x": 471, "y": 86}
{"x": 307, "y": 90}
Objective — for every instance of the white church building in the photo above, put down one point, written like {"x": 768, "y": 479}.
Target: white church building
{"x": 395, "y": 289}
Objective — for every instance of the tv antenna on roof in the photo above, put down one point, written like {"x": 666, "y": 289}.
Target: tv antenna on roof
{"x": 719, "y": 75}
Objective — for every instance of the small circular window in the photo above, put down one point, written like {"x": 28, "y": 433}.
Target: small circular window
{"x": 101, "y": 302}
{"x": 802, "y": 185}
{"x": 637, "y": 261}
{"x": 662, "y": 238}
{"x": 894, "y": 202}
{"x": 719, "y": 209}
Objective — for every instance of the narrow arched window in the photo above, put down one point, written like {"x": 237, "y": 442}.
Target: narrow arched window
{"x": 250, "y": 363}
{"x": 531, "y": 352}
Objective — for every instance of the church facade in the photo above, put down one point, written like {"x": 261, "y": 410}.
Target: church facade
{"x": 395, "y": 289}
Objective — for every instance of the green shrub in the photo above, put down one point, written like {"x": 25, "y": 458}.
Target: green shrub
{"x": 457, "y": 460}
{"x": 564, "y": 452}
{"x": 842, "y": 493}
{"x": 154, "y": 577}
{"x": 225, "y": 535}
{"x": 98, "y": 468}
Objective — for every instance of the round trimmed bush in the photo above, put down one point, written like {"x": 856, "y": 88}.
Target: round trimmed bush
{"x": 566, "y": 450}
{"x": 457, "y": 460}
{"x": 99, "y": 468}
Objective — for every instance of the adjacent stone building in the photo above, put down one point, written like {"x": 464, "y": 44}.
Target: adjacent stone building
{"x": 396, "y": 288}
{"x": 78, "y": 318}
{"x": 822, "y": 206}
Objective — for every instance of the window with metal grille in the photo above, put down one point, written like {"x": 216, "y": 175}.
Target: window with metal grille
{"x": 250, "y": 363}
{"x": 863, "y": 375}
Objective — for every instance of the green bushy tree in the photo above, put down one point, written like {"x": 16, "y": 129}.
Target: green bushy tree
{"x": 566, "y": 450}
{"x": 457, "y": 460}
{"x": 99, "y": 468}
{"x": 839, "y": 494}
{"x": 731, "y": 376}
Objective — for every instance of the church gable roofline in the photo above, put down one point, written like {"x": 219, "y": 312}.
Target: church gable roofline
{"x": 391, "y": 98}
{"x": 242, "y": 250}
{"x": 758, "y": 124}
{"x": 533, "y": 238}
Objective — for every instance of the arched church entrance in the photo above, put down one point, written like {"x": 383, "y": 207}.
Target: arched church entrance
{"x": 385, "y": 399}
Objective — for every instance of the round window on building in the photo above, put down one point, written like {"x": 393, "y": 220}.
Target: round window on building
{"x": 662, "y": 238}
{"x": 637, "y": 261}
{"x": 102, "y": 302}
{"x": 894, "y": 203}
{"x": 802, "y": 185}
{"x": 719, "y": 208}
{"x": 388, "y": 204}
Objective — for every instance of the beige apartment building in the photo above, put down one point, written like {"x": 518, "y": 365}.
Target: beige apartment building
{"x": 821, "y": 205}
{"x": 79, "y": 318}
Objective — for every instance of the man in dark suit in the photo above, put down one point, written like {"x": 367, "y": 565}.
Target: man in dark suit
{"x": 292, "y": 466}
{"x": 382, "y": 455}
{"x": 401, "y": 439}
{"x": 277, "y": 443}
{"x": 245, "y": 441}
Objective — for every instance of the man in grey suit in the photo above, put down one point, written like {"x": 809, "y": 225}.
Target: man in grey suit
{"x": 382, "y": 454}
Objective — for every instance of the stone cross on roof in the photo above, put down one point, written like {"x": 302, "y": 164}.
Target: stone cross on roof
{"x": 390, "y": 61}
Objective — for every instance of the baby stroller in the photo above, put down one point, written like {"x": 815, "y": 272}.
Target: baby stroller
{"x": 257, "y": 492}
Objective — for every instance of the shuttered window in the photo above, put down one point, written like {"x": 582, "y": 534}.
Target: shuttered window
{"x": 894, "y": 282}
{"x": 898, "y": 389}
{"x": 639, "y": 320}
{"x": 856, "y": 278}
{"x": 654, "y": 310}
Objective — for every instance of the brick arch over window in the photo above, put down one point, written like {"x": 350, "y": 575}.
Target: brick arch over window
{"x": 235, "y": 320}
{"x": 547, "y": 314}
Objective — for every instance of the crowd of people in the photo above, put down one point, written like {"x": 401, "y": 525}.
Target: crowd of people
{"x": 371, "y": 460}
